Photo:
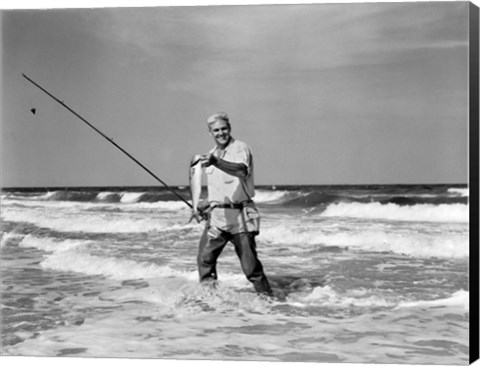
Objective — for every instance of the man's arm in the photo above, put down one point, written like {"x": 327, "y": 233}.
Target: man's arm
{"x": 238, "y": 170}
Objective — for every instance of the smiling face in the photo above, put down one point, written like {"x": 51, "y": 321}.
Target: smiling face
{"x": 220, "y": 131}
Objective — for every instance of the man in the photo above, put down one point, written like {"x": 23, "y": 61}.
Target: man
{"x": 232, "y": 215}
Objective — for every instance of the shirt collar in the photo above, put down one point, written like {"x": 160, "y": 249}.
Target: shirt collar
{"x": 215, "y": 148}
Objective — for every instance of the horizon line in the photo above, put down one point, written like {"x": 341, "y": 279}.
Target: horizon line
{"x": 256, "y": 185}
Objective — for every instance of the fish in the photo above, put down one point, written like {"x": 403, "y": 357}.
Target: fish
{"x": 195, "y": 179}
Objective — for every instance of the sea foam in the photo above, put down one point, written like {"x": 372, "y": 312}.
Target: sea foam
{"x": 460, "y": 298}
{"x": 8, "y": 237}
{"x": 119, "y": 269}
{"x": 262, "y": 196}
{"x": 413, "y": 244}
{"x": 421, "y": 212}
{"x": 51, "y": 245}
{"x": 105, "y": 195}
{"x": 73, "y": 255}
{"x": 129, "y": 197}
{"x": 92, "y": 222}
{"x": 102, "y": 203}
{"x": 328, "y": 296}
{"x": 464, "y": 192}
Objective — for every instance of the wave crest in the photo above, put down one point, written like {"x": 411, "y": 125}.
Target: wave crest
{"x": 414, "y": 244}
{"x": 263, "y": 196}
{"x": 423, "y": 212}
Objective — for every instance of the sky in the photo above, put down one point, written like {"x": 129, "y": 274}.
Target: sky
{"x": 359, "y": 93}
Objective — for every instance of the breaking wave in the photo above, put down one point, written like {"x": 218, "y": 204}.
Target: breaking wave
{"x": 464, "y": 192}
{"x": 263, "y": 196}
{"x": 288, "y": 196}
{"x": 327, "y": 296}
{"x": 74, "y": 255}
{"x": 423, "y": 212}
{"x": 93, "y": 223}
{"x": 460, "y": 298}
{"x": 412, "y": 244}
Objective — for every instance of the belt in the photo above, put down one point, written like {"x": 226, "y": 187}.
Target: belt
{"x": 237, "y": 206}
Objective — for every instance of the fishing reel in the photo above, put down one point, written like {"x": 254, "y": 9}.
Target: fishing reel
{"x": 202, "y": 213}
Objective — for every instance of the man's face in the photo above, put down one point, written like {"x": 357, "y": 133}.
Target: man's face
{"x": 220, "y": 131}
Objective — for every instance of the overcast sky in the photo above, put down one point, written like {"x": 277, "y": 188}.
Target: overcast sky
{"x": 324, "y": 94}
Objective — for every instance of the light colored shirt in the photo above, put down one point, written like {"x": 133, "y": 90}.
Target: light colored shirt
{"x": 226, "y": 188}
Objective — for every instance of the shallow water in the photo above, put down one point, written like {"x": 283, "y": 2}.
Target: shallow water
{"x": 363, "y": 282}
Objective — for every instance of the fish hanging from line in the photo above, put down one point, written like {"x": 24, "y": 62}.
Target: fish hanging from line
{"x": 195, "y": 179}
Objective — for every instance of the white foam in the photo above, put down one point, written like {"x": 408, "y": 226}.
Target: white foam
{"x": 414, "y": 244}
{"x": 458, "y": 299}
{"x": 421, "y": 212}
{"x": 103, "y": 195}
{"x": 129, "y": 197}
{"x": 119, "y": 269}
{"x": 268, "y": 196}
{"x": 160, "y": 205}
{"x": 74, "y": 255}
{"x": 74, "y": 221}
{"x": 46, "y": 203}
{"x": 464, "y": 192}
{"x": 47, "y": 195}
{"x": 51, "y": 245}
{"x": 327, "y": 296}
{"x": 8, "y": 237}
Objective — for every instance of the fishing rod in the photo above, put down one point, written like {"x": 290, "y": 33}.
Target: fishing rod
{"x": 107, "y": 138}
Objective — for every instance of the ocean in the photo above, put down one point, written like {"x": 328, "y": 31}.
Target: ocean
{"x": 370, "y": 274}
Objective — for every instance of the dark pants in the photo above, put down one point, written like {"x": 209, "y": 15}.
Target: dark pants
{"x": 212, "y": 245}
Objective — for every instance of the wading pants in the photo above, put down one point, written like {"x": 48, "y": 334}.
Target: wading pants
{"x": 211, "y": 245}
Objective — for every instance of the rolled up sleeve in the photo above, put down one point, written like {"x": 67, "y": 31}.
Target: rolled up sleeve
{"x": 243, "y": 154}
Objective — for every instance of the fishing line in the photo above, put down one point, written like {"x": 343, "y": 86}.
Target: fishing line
{"x": 31, "y": 106}
{"x": 105, "y": 137}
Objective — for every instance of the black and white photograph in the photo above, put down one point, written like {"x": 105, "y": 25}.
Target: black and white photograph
{"x": 247, "y": 182}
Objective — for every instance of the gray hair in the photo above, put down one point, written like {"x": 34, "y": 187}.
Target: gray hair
{"x": 220, "y": 116}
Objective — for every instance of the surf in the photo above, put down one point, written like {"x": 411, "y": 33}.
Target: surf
{"x": 415, "y": 244}
{"x": 457, "y": 213}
